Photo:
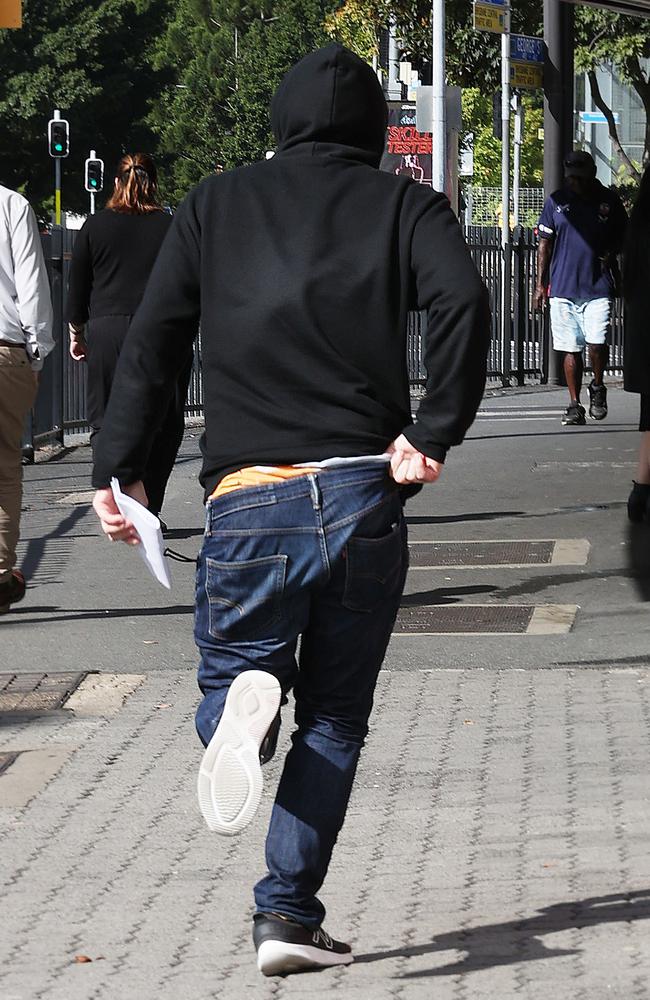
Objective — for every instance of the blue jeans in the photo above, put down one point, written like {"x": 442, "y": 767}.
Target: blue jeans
{"x": 323, "y": 557}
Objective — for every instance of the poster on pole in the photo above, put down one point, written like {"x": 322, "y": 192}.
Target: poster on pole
{"x": 407, "y": 151}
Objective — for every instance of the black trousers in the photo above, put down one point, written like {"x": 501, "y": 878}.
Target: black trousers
{"x": 105, "y": 337}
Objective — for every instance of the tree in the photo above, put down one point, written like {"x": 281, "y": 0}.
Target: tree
{"x": 87, "y": 58}
{"x": 268, "y": 49}
{"x": 606, "y": 39}
{"x": 477, "y": 120}
{"x": 471, "y": 55}
{"x": 228, "y": 57}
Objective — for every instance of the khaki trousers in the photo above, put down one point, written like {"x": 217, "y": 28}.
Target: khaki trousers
{"x": 17, "y": 392}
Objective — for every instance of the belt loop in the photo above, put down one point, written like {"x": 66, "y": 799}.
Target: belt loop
{"x": 315, "y": 491}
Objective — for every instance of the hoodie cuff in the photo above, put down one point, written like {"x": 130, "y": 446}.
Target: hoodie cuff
{"x": 438, "y": 452}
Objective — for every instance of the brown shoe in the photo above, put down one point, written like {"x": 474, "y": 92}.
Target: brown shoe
{"x": 12, "y": 591}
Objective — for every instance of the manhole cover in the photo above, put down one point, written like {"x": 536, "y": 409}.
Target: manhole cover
{"x": 506, "y": 553}
{"x": 37, "y": 692}
{"x": 464, "y": 619}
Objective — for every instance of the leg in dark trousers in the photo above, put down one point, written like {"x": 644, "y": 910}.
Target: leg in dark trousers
{"x": 105, "y": 337}
{"x": 166, "y": 443}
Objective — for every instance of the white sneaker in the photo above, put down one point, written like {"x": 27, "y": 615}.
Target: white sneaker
{"x": 229, "y": 785}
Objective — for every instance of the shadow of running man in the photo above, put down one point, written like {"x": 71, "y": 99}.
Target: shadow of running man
{"x": 516, "y": 941}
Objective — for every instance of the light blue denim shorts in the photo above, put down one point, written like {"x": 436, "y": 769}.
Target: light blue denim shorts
{"x": 576, "y": 322}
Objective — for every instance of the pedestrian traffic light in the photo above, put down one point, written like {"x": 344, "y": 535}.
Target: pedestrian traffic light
{"x": 58, "y": 137}
{"x": 94, "y": 175}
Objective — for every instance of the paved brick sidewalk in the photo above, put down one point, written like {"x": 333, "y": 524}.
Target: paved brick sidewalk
{"x": 496, "y": 846}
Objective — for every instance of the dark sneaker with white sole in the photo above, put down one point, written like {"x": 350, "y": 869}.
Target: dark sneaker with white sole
{"x": 284, "y": 946}
{"x": 229, "y": 785}
{"x": 574, "y": 415}
{"x": 597, "y": 401}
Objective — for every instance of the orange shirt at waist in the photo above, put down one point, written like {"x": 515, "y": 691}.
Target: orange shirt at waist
{"x": 254, "y": 475}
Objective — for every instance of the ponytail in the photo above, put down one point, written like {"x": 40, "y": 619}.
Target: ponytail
{"x": 136, "y": 185}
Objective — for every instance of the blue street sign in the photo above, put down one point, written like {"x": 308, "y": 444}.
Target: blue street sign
{"x": 597, "y": 118}
{"x": 497, "y": 3}
{"x": 524, "y": 48}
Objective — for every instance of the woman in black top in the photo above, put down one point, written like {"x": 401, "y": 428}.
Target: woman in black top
{"x": 112, "y": 258}
{"x": 636, "y": 359}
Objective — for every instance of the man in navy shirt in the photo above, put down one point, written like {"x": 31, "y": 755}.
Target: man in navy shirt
{"x": 581, "y": 230}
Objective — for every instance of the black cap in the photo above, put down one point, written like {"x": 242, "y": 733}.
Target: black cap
{"x": 579, "y": 163}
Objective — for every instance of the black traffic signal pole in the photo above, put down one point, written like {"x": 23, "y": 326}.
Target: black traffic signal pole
{"x": 58, "y": 137}
{"x": 558, "y": 112}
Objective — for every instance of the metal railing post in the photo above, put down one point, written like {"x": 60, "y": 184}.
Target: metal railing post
{"x": 58, "y": 358}
{"x": 520, "y": 304}
{"x": 506, "y": 314}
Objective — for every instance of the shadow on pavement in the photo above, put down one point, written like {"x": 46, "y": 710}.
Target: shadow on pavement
{"x": 21, "y": 616}
{"x": 516, "y": 941}
{"x": 500, "y": 514}
{"x": 444, "y": 595}
{"x": 181, "y": 533}
{"x": 36, "y": 546}
{"x": 491, "y": 515}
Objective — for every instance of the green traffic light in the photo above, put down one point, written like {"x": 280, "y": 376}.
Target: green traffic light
{"x": 58, "y": 147}
{"x": 94, "y": 183}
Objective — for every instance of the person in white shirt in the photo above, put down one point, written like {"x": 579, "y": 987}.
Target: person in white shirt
{"x": 25, "y": 341}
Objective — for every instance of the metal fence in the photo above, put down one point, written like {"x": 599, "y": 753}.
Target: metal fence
{"x": 483, "y": 205}
{"x": 520, "y": 347}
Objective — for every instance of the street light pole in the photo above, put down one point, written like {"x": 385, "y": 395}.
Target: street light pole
{"x": 439, "y": 123}
{"x": 505, "y": 139}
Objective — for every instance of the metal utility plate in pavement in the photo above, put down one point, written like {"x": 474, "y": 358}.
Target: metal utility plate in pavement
{"x": 37, "y": 692}
{"x": 513, "y": 553}
{"x": 485, "y": 619}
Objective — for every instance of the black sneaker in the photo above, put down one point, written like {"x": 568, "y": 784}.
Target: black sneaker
{"x": 597, "y": 401}
{"x": 574, "y": 414}
{"x": 638, "y": 503}
{"x": 284, "y": 946}
{"x": 12, "y": 591}
{"x": 229, "y": 785}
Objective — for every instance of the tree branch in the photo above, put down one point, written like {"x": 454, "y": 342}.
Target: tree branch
{"x": 599, "y": 101}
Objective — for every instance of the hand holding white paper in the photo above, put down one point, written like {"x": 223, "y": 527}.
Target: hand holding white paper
{"x": 147, "y": 525}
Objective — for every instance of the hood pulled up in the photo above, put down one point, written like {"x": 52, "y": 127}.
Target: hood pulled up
{"x": 331, "y": 96}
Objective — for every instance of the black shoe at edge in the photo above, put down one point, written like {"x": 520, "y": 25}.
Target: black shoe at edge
{"x": 574, "y": 415}
{"x": 638, "y": 503}
{"x": 12, "y": 591}
{"x": 597, "y": 401}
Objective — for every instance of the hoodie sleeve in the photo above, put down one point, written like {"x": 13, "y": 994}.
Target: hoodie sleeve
{"x": 449, "y": 288}
{"x": 156, "y": 348}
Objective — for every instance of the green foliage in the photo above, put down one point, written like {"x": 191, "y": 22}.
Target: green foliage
{"x": 87, "y": 58}
{"x": 226, "y": 59}
{"x": 477, "y": 119}
{"x": 268, "y": 49}
{"x": 471, "y": 55}
{"x": 606, "y": 39}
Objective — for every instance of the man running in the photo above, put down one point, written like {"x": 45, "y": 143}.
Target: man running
{"x": 302, "y": 269}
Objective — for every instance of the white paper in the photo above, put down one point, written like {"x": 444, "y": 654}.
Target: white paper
{"x": 147, "y": 525}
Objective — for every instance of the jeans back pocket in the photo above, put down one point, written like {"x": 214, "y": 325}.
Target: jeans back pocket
{"x": 245, "y": 598}
{"x": 375, "y": 567}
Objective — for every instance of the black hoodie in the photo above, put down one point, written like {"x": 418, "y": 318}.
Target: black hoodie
{"x": 302, "y": 270}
